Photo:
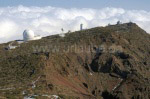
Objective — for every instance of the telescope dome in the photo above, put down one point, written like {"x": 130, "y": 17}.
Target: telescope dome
{"x": 28, "y": 35}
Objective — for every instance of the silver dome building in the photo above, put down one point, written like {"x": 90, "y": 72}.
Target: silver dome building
{"x": 28, "y": 35}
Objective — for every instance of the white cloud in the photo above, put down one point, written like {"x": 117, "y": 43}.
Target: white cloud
{"x": 49, "y": 20}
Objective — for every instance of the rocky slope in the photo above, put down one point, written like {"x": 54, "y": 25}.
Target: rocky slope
{"x": 104, "y": 62}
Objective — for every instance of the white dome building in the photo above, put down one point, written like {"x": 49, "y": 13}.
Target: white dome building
{"x": 28, "y": 35}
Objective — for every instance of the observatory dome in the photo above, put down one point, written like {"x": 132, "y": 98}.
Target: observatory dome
{"x": 28, "y": 35}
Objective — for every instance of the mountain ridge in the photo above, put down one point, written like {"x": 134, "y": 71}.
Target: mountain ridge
{"x": 102, "y": 62}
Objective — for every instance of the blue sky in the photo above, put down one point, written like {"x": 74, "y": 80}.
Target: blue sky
{"x": 126, "y": 4}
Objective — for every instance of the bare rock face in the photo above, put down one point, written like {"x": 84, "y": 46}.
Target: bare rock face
{"x": 101, "y": 63}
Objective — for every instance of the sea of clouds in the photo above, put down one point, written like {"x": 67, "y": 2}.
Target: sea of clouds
{"x": 49, "y": 20}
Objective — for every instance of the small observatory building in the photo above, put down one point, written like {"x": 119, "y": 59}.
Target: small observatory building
{"x": 29, "y": 35}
